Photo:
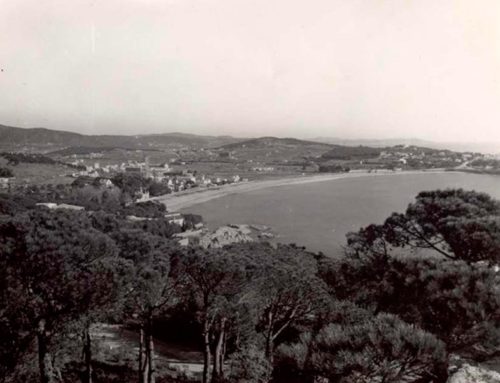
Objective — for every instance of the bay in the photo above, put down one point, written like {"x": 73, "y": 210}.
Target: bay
{"x": 318, "y": 215}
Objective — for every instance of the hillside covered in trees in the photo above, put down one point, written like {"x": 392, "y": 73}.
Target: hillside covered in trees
{"x": 409, "y": 296}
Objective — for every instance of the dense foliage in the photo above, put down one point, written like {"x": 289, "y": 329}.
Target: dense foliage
{"x": 34, "y": 158}
{"x": 6, "y": 173}
{"x": 352, "y": 153}
{"x": 15, "y": 158}
{"x": 55, "y": 267}
{"x": 380, "y": 348}
{"x": 459, "y": 303}
{"x": 405, "y": 296}
{"x": 325, "y": 168}
{"x": 455, "y": 224}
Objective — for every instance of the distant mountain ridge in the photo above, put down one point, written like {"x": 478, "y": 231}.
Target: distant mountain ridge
{"x": 482, "y": 147}
{"x": 13, "y": 135}
{"x": 45, "y": 139}
{"x": 59, "y": 139}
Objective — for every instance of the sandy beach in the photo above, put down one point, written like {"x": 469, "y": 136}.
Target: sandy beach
{"x": 188, "y": 198}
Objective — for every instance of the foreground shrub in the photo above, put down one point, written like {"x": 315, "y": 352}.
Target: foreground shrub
{"x": 457, "y": 302}
{"x": 382, "y": 349}
{"x": 249, "y": 365}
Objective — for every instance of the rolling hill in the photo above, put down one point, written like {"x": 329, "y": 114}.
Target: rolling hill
{"x": 276, "y": 142}
{"x": 275, "y": 150}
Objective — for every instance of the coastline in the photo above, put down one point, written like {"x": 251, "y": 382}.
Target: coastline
{"x": 183, "y": 200}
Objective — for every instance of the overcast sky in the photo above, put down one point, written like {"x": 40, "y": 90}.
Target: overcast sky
{"x": 341, "y": 68}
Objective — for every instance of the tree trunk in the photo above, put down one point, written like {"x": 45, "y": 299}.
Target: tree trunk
{"x": 87, "y": 353}
{"x": 151, "y": 353}
{"x": 146, "y": 353}
{"x": 206, "y": 351}
{"x": 270, "y": 349}
{"x": 47, "y": 371}
{"x": 217, "y": 372}
{"x": 145, "y": 363}
{"x": 269, "y": 337}
{"x": 223, "y": 352}
{"x": 141, "y": 355}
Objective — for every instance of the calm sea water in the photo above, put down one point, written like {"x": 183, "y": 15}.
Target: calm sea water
{"x": 318, "y": 215}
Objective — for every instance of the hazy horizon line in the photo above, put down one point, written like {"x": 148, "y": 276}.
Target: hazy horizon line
{"x": 249, "y": 137}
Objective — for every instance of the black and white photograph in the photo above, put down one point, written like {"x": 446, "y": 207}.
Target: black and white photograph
{"x": 249, "y": 191}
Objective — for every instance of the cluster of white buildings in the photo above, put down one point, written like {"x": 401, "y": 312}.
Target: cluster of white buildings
{"x": 188, "y": 180}
{"x": 175, "y": 180}
{"x": 96, "y": 170}
{"x": 5, "y": 182}
{"x": 54, "y": 206}
{"x": 404, "y": 156}
{"x": 263, "y": 169}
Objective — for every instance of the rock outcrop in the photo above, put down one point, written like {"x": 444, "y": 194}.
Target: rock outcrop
{"x": 226, "y": 235}
{"x": 470, "y": 374}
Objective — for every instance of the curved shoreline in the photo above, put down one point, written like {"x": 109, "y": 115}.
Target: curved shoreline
{"x": 179, "y": 201}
